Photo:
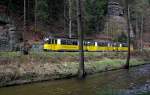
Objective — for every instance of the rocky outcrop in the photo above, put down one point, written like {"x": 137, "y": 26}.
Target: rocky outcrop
{"x": 8, "y": 37}
{"x": 115, "y": 9}
{"x": 116, "y": 23}
{"x": 4, "y": 38}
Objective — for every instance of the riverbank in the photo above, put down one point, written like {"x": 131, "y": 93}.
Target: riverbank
{"x": 136, "y": 81}
{"x": 19, "y": 69}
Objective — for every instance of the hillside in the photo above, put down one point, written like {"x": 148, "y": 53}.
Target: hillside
{"x": 102, "y": 19}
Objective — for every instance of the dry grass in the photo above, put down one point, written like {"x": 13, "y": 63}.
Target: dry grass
{"x": 62, "y": 57}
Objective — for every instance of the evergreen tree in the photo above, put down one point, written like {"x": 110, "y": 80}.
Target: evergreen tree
{"x": 95, "y": 11}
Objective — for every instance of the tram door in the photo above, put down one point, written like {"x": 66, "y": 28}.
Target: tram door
{"x": 53, "y": 43}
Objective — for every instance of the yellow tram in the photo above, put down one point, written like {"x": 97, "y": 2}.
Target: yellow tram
{"x": 61, "y": 44}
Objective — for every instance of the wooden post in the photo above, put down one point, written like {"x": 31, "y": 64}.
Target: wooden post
{"x": 81, "y": 71}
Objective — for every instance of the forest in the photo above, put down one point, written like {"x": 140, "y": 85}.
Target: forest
{"x": 57, "y": 18}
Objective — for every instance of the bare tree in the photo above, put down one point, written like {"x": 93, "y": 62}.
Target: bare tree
{"x": 65, "y": 22}
{"x": 141, "y": 34}
{"x": 136, "y": 33}
{"x": 70, "y": 18}
{"x": 81, "y": 71}
{"x": 129, "y": 39}
{"x": 35, "y": 16}
{"x": 24, "y": 18}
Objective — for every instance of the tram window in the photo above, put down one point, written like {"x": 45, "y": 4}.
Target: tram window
{"x": 91, "y": 43}
{"x": 114, "y": 44}
{"x": 75, "y": 43}
{"x": 124, "y": 45}
{"x": 84, "y": 43}
{"x": 111, "y": 44}
{"x": 53, "y": 41}
{"x": 63, "y": 42}
{"x": 106, "y": 44}
{"x": 99, "y": 44}
{"x": 66, "y": 42}
{"x": 102, "y": 44}
{"x": 88, "y": 43}
{"x": 69, "y": 42}
{"x": 48, "y": 41}
{"x": 118, "y": 44}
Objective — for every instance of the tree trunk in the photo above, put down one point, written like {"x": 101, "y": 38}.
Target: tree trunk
{"x": 136, "y": 34}
{"x": 50, "y": 14}
{"x": 35, "y": 16}
{"x": 129, "y": 39}
{"x": 141, "y": 35}
{"x": 65, "y": 22}
{"x": 70, "y": 18}
{"x": 24, "y": 22}
{"x": 81, "y": 71}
